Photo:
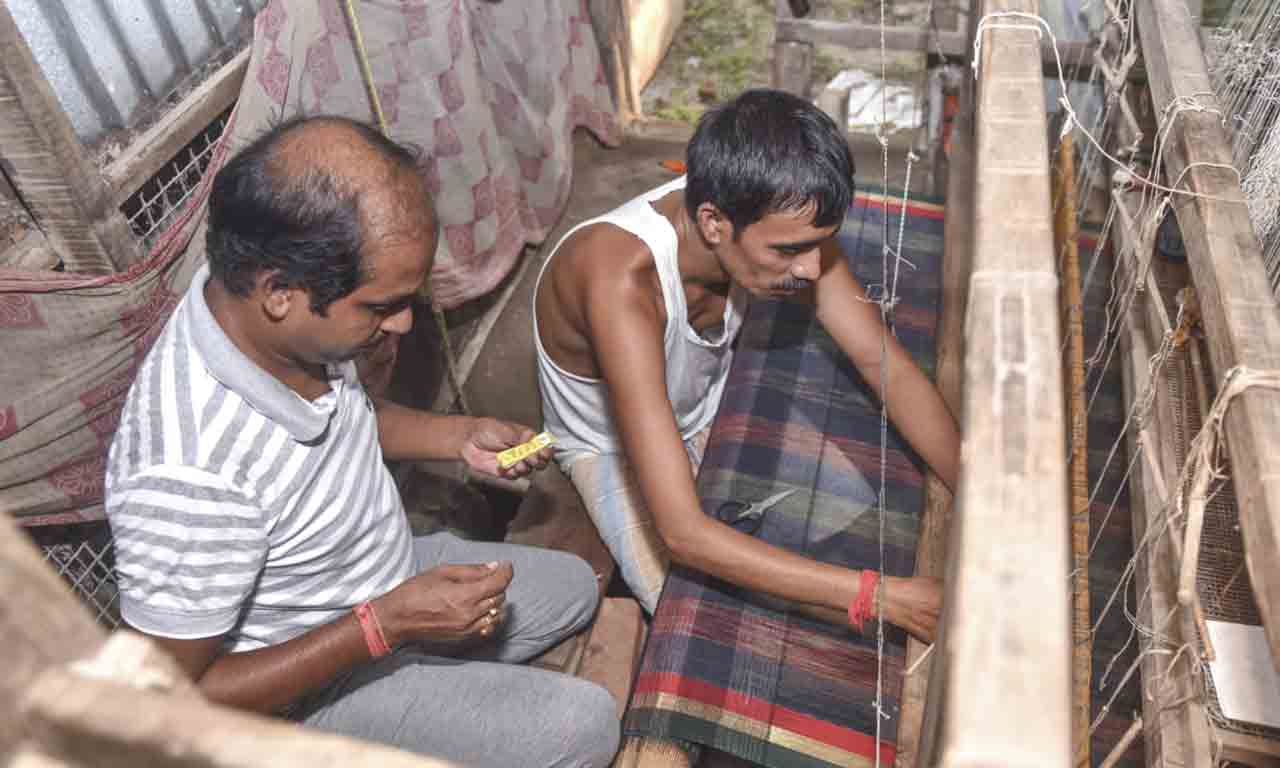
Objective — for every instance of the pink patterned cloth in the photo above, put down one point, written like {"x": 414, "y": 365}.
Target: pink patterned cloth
{"x": 489, "y": 90}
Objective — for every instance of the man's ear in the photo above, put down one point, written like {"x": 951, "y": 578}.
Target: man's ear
{"x": 713, "y": 225}
{"x": 275, "y": 298}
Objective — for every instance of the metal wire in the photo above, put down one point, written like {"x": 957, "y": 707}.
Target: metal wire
{"x": 165, "y": 193}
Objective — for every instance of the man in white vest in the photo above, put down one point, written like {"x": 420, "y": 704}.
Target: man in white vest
{"x": 635, "y": 316}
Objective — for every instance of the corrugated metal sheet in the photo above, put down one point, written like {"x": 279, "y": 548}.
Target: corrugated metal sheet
{"x": 109, "y": 61}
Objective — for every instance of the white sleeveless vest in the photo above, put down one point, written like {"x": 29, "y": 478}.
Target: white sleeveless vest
{"x": 575, "y": 408}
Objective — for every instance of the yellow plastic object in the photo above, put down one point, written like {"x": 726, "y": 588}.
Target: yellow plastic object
{"x": 512, "y": 456}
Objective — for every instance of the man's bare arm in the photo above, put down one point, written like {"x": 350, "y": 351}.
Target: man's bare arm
{"x": 408, "y": 433}
{"x": 446, "y": 604}
{"x": 626, "y": 334}
{"x": 266, "y": 680}
{"x": 915, "y": 406}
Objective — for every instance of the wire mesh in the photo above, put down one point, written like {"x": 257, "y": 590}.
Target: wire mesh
{"x": 1222, "y": 581}
{"x": 164, "y": 194}
{"x": 82, "y": 555}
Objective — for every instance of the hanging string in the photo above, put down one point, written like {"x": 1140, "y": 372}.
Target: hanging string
{"x": 1041, "y": 28}
{"x": 442, "y": 326}
{"x": 885, "y": 320}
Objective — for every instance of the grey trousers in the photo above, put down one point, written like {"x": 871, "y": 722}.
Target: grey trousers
{"x": 485, "y": 709}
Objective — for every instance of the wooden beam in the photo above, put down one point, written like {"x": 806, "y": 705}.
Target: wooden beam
{"x": 1247, "y": 749}
{"x": 1006, "y": 617}
{"x": 50, "y": 169}
{"x": 157, "y": 146}
{"x": 1177, "y": 731}
{"x": 1240, "y": 315}
{"x": 86, "y": 721}
{"x": 948, "y": 44}
{"x": 792, "y": 69}
{"x": 41, "y": 625}
{"x": 931, "y": 551}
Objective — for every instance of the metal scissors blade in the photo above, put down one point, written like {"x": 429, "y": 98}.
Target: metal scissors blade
{"x": 758, "y": 508}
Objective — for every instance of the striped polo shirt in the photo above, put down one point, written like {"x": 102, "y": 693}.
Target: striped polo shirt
{"x": 237, "y": 506}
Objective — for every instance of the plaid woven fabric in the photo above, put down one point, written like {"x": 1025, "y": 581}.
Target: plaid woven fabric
{"x": 740, "y": 672}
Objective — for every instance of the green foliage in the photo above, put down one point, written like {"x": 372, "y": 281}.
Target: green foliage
{"x": 721, "y": 48}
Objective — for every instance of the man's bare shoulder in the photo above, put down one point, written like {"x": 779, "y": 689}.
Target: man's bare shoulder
{"x": 603, "y": 262}
{"x": 604, "y": 250}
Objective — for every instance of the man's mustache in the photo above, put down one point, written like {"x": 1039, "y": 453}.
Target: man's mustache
{"x": 791, "y": 284}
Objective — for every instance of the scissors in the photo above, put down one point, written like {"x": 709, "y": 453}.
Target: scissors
{"x": 748, "y": 517}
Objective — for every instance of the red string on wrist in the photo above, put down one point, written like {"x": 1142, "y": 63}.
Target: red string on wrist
{"x": 861, "y": 607}
{"x": 373, "y": 637}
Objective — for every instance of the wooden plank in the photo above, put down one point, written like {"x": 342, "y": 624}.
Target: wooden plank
{"x": 50, "y": 169}
{"x": 1247, "y": 749}
{"x": 935, "y": 520}
{"x": 614, "y": 647}
{"x": 949, "y": 44}
{"x": 867, "y": 36}
{"x": 107, "y": 724}
{"x": 1177, "y": 731}
{"x": 1005, "y": 644}
{"x": 1239, "y": 311}
{"x": 157, "y": 146}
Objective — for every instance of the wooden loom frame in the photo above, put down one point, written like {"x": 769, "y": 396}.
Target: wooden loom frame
{"x": 1242, "y": 328}
{"x": 1005, "y": 635}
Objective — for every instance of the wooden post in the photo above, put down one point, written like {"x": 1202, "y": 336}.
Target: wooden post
{"x": 1066, "y": 233}
{"x": 931, "y": 552}
{"x": 1177, "y": 732}
{"x": 1240, "y": 314}
{"x": 1004, "y": 676}
{"x": 792, "y": 59}
{"x": 47, "y": 164}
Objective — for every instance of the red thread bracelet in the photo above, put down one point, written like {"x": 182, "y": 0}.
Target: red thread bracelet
{"x": 373, "y": 637}
{"x": 861, "y": 606}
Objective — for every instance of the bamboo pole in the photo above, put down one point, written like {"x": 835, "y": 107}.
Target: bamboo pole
{"x": 1065, "y": 234}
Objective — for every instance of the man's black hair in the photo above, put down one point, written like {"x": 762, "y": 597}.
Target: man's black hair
{"x": 768, "y": 151}
{"x": 305, "y": 228}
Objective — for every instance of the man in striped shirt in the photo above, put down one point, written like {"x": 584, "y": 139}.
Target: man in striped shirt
{"x": 259, "y": 536}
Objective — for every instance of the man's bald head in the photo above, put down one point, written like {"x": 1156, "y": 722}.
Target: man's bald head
{"x": 302, "y": 200}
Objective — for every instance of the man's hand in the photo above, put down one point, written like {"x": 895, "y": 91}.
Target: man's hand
{"x": 448, "y": 605}
{"x": 913, "y": 604}
{"x": 489, "y": 437}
